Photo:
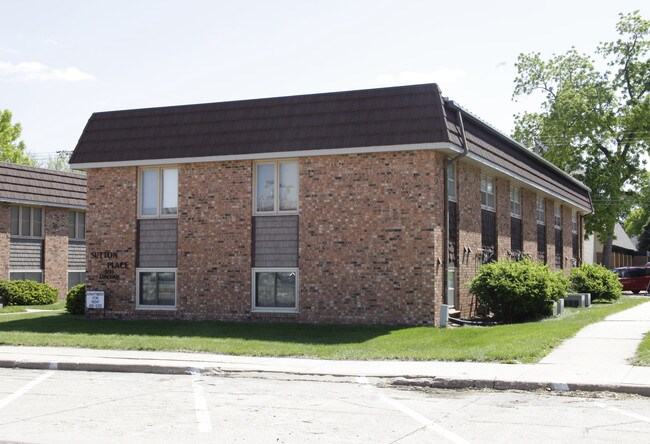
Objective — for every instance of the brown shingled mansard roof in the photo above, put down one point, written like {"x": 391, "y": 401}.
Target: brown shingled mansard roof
{"x": 39, "y": 186}
{"x": 384, "y": 117}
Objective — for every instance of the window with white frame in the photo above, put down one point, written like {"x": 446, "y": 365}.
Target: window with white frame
{"x": 26, "y": 275}
{"x": 76, "y": 277}
{"x": 515, "y": 202}
{"x": 276, "y": 187}
{"x": 487, "y": 192}
{"x": 541, "y": 211}
{"x": 275, "y": 289}
{"x": 159, "y": 192}
{"x": 76, "y": 225}
{"x": 558, "y": 216}
{"x": 26, "y": 221}
{"x": 156, "y": 288}
{"x": 574, "y": 221}
{"x": 451, "y": 182}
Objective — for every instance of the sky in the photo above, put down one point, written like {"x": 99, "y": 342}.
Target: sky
{"x": 60, "y": 61}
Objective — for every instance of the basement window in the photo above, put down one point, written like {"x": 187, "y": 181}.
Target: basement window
{"x": 27, "y": 275}
{"x": 275, "y": 289}
{"x": 76, "y": 277}
{"x": 156, "y": 288}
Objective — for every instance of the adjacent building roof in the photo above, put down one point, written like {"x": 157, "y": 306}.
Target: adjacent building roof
{"x": 380, "y": 118}
{"x": 622, "y": 240}
{"x": 39, "y": 186}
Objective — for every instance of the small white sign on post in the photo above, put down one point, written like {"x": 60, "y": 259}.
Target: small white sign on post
{"x": 94, "y": 299}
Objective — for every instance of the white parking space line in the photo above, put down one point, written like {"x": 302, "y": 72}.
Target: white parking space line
{"x": 200, "y": 406}
{"x": 451, "y": 436}
{"x": 622, "y": 412}
{"x": 17, "y": 394}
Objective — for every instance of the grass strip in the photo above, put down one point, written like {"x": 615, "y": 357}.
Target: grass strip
{"x": 59, "y": 305}
{"x": 526, "y": 342}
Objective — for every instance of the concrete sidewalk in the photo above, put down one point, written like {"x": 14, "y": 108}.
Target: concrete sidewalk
{"x": 586, "y": 362}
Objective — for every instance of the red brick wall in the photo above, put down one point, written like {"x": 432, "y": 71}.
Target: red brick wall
{"x": 469, "y": 232}
{"x": 214, "y": 240}
{"x": 5, "y": 227}
{"x": 111, "y": 225}
{"x": 56, "y": 249}
{"x": 370, "y": 237}
{"x": 502, "y": 202}
{"x": 529, "y": 221}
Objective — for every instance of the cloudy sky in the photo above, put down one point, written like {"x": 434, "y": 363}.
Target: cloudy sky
{"x": 62, "y": 60}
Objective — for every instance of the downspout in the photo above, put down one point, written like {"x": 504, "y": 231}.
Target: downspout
{"x": 448, "y": 162}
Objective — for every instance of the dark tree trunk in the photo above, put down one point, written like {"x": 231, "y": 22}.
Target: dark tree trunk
{"x": 607, "y": 251}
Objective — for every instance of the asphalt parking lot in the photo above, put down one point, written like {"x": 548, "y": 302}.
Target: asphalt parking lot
{"x": 59, "y": 406}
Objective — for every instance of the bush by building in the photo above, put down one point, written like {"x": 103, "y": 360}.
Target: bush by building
{"x": 518, "y": 291}
{"x": 597, "y": 280}
{"x": 75, "y": 301}
{"x": 27, "y": 293}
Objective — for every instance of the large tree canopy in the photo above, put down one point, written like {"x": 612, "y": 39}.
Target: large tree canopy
{"x": 635, "y": 220}
{"x": 11, "y": 149}
{"x": 594, "y": 124}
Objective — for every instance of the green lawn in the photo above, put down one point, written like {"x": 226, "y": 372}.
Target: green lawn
{"x": 507, "y": 343}
{"x": 60, "y": 305}
{"x": 643, "y": 352}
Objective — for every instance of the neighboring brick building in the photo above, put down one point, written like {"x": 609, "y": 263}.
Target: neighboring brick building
{"x": 42, "y": 225}
{"x": 318, "y": 208}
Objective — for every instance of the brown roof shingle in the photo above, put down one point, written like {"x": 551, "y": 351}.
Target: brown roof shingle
{"x": 40, "y": 186}
{"x": 389, "y": 116}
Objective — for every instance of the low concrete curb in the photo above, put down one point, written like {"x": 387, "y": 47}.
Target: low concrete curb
{"x": 449, "y": 383}
{"x": 100, "y": 367}
{"x": 413, "y": 381}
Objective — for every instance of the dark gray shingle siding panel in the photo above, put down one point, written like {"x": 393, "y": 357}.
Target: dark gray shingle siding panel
{"x": 25, "y": 254}
{"x": 76, "y": 255}
{"x": 157, "y": 243}
{"x": 275, "y": 240}
{"x": 21, "y": 183}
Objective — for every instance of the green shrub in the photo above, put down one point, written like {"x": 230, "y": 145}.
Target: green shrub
{"x": 517, "y": 291}
{"x": 597, "y": 280}
{"x": 27, "y": 293}
{"x": 75, "y": 301}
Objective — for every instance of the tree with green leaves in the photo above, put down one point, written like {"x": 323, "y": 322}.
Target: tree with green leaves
{"x": 59, "y": 162}
{"x": 11, "y": 149}
{"x": 644, "y": 238}
{"x": 594, "y": 124}
{"x": 636, "y": 218}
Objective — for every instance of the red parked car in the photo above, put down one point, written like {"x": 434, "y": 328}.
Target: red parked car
{"x": 634, "y": 279}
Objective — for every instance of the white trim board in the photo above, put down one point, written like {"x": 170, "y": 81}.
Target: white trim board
{"x": 36, "y": 203}
{"x": 274, "y": 155}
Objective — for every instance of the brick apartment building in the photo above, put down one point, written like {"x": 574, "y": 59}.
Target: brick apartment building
{"x": 371, "y": 206}
{"x": 42, "y": 225}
